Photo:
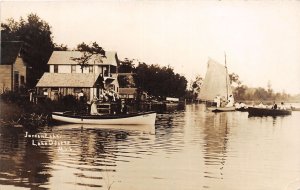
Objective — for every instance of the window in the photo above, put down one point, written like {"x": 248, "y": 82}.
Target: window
{"x": 73, "y": 68}
{"x": 55, "y": 68}
{"x": 22, "y": 78}
{"x": 16, "y": 80}
{"x": 91, "y": 69}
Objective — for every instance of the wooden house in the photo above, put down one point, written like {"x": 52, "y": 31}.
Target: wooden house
{"x": 12, "y": 67}
{"x": 66, "y": 77}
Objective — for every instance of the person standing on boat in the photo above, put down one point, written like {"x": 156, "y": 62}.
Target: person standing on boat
{"x": 217, "y": 101}
{"x": 230, "y": 101}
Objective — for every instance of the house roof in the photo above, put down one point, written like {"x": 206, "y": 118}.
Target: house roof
{"x": 67, "y": 80}
{"x": 64, "y": 58}
{"x": 9, "y": 52}
{"x": 129, "y": 91}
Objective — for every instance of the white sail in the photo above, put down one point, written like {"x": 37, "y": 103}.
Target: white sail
{"x": 216, "y": 82}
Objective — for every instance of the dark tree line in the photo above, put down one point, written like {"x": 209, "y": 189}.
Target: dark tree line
{"x": 155, "y": 80}
{"x": 38, "y": 43}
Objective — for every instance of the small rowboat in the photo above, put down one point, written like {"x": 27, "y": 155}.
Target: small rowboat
{"x": 242, "y": 109}
{"x": 221, "y": 109}
{"x": 267, "y": 112}
{"x": 143, "y": 118}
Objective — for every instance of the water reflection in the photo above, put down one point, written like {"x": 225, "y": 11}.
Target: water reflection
{"x": 22, "y": 165}
{"x": 191, "y": 149}
{"x": 216, "y": 129}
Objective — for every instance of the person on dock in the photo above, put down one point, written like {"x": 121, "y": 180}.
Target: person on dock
{"x": 81, "y": 96}
{"x": 94, "y": 110}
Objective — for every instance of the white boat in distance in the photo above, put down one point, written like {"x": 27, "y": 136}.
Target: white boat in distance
{"x": 143, "y": 118}
{"x": 216, "y": 83}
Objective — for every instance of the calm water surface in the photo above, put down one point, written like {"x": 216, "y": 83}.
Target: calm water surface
{"x": 192, "y": 149}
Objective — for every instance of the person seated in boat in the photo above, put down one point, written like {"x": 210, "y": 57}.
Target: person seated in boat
{"x": 282, "y": 106}
{"x": 237, "y": 105}
{"x": 242, "y": 105}
{"x": 94, "y": 110}
{"x": 214, "y": 102}
{"x": 274, "y": 107}
{"x": 223, "y": 101}
{"x": 230, "y": 101}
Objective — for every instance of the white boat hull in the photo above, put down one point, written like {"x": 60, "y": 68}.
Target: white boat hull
{"x": 130, "y": 119}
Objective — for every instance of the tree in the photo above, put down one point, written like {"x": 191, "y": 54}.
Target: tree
{"x": 88, "y": 51}
{"x": 159, "y": 81}
{"x": 37, "y": 47}
{"x": 126, "y": 81}
{"x": 234, "y": 79}
{"x": 196, "y": 85}
{"x": 126, "y": 66}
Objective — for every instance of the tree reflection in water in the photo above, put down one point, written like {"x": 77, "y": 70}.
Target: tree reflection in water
{"x": 21, "y": 164}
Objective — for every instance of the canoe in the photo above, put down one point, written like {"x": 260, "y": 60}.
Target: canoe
{"x": 267, "y": 112}
{"x": 221, "y": 109}
{"x": 295, "y": 109}
{"x": 143, "y": 118}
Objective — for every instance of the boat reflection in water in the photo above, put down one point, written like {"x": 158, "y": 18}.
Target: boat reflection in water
{"x": 216, "y": 132}
{"x": 142, "y": 128}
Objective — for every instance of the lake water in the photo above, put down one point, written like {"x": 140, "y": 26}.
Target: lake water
{"x": 191, "y": 150}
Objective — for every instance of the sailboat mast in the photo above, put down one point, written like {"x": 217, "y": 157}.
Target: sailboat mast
{"x": 226, "y": 76}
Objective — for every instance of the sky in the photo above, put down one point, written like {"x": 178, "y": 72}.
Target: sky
{"x": 261, "y": 38}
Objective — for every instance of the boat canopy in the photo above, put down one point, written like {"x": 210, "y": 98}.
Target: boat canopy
{"x": 216, "y": 82}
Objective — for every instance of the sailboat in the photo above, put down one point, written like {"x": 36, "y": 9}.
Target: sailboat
{"x": 216, "y": 84}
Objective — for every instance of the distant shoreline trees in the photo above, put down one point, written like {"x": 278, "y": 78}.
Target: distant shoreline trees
{"x": 242, "y": 92}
